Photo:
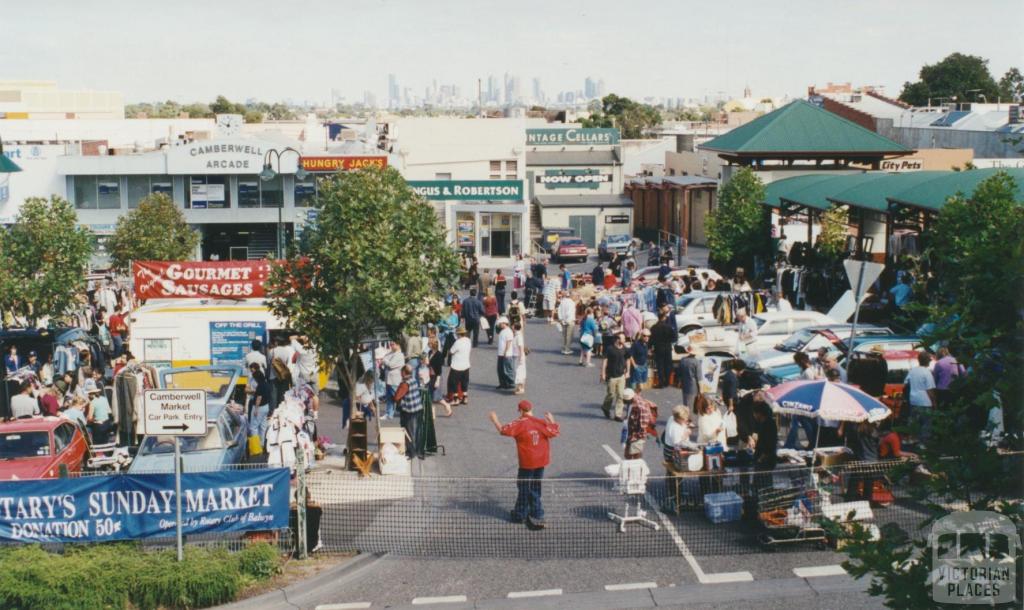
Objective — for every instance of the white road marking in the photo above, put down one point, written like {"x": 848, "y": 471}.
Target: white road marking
{"x": 450, "y": 599}
{"x": 345, "y": 606}
{"x": 538, "y": 593}
{"x": 704, "y": 579}
{"x": 811, "y": 572}
{"x": 630, "y": 586}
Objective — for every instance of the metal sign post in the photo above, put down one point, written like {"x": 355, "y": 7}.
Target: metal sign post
{"x": 866, "y": 273}
{"x": 175, "y": 413}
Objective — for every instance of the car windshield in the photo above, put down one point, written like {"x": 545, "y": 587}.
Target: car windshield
{"x": 216, "y": 382}
{"x": 618, "y": 239}
{"x": 796, "y": 341}
{"x": 572, "y": 242}
{"x": 160, "y": 444}
{"x": 14, "y": 445}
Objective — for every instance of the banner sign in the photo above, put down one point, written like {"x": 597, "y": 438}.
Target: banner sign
{"x": 335, "y": 164}
{"x": 573, "y": 136}
{"x": 132, "y": 507}
{"x": 201, "y": 280}
{"x": 572, "y": 178}
{"x": 224, "y": 156}
{"x": 469, "y": 190}
{"x": 901, "y": 165}
{"x": 230, "y": 341}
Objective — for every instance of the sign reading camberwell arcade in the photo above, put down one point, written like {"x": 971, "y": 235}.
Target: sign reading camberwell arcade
{"x": 229, "y": 156}
{"x": 572, "y": 136}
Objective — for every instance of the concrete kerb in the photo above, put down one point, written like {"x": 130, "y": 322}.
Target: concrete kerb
{"x": 293, "y": 594}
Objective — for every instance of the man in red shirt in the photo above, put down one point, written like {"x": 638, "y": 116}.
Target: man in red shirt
{"x": 118, "y": 330}
{"x": 531, "y": 434}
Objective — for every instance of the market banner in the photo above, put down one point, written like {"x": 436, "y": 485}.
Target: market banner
{"x": 202, "y": 280}
{"x": 132, "y": 507}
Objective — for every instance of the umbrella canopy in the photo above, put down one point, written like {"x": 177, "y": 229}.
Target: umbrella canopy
{"x": 826, "y": 400}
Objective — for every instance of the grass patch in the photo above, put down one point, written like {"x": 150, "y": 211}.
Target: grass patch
{"x": 120, "y": 576}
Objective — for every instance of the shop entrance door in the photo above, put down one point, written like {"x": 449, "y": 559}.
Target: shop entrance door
{"x": 586, "y": 229}
{"x": 239, "y": 253}
{"x": 501, "y": 243}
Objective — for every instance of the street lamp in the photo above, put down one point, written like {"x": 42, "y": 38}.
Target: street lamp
{"x": 268, "y": 173}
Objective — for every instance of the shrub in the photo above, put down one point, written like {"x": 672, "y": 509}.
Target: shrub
{"x": 117, "y": 576}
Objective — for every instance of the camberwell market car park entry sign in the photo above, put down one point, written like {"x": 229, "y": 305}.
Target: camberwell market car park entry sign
{"x": 175, "y": 412}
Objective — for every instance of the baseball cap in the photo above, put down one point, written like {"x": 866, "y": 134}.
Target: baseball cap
{"x": 628, "y": 394}
{"x": 90, "y": 387}
{"x": 33, "y": 353}
{"x": 525, "y": 405}
{"x": 646, "y": 332}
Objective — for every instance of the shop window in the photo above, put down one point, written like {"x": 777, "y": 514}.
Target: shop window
{"x": 248, "y": 191}
{"x": 208, "y": 192}
{"x": 85, "y": 192}
{"x": 305, "y": 192}
{"x": 140, "y": 187}
{"x": 253, "y": 192}
{"x": 272, "y": 192}
{"x": 108, "y": 192}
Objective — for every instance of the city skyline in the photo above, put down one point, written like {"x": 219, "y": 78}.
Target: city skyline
{"x": 257, "y": 50}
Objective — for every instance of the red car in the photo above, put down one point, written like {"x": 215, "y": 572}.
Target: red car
{"x": 570, "y": 247}
{"x": 35, "y": 448}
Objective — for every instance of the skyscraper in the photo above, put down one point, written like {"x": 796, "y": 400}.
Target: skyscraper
{"x": 394, "y": 95}
{"x": 493, "y": 92}
{"x": 538, "y": 93}
{"x": 600, "y": 88}
{"x": 590, "y": 88}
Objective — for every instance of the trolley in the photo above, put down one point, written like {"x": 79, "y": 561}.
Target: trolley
{"x": 791, "y": 515}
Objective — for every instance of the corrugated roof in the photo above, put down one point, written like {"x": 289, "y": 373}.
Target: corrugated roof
{"x": 801, "y": 127}
{"x": 874, "y": 191}
{"x": 583, "y": 201}
{"x": 572, "y": 157}
{"x": 676, "y": 180}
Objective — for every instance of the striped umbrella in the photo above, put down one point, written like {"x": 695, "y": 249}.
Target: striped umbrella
{"x": 826, "y": 400}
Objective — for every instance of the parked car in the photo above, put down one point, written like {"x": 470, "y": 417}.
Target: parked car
{"x": 648, "y": 274}
{"x": 548, "y": 237}
{"x": 615, "y": 244}
{"x": 226, "y": 429}
{"x": 570, "y": 248}
{"x": 772, "y": 327}
{"x": 832, "y": 336}
{"x": 693, "y": 311}
{"x": 41, "y": 448}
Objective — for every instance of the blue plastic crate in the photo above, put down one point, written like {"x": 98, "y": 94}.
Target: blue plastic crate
{"x": 724, "y": 507}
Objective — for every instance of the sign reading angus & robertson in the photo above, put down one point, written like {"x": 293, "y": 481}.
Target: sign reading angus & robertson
{"x": 468, "y": 190}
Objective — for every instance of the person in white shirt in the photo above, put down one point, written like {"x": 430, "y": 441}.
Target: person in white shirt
{"x": 550, "y": 298}
{"x": 256, "y": 356}
{"x": 921, "y": 388}
{"x": 305, "y": 361}
{"x": 393, "y": 363}
{"x": 677, "y": 434}
{"x": 746, "y": 331}
{"x": 710, "y": 426}
{"x": 567, "y": 318}
{"x": 285, "y": 354}
{"x": 24, "y": 404}
{"x": 519, "y": 354}
{"x": 506, "y": 363}
{"x": 458, "y": 373}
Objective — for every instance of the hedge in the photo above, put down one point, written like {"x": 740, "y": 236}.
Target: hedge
{"x": 119, "y": 576}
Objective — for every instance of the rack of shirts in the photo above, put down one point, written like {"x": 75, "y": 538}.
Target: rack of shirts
{"x": 126, "y": 406}
{"x": 728, "y": 305}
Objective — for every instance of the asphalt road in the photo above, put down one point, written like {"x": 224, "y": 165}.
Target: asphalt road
{"x": 483, "y": 557}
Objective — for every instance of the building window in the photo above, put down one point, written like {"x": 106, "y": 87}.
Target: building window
{"x": 305, "y": 191}
{"x": 495, "y": 170}
{"x": 253, "y": 192}
{"x": 108, "y": 192}
{"x": 140, "y": 187}
{"x": 511, "y": 170}
{"x": 208, "y": 192}
{"x": 85, "y": 192}
{"x": 443, "y": 176}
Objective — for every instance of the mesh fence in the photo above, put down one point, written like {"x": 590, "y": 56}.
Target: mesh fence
{"x": 451, "y": 517}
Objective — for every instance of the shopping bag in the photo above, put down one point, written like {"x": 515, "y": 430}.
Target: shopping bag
{"x": 729, "y": 423}
{"x": 484, "y": 324}
{"x": 255, "y": 445}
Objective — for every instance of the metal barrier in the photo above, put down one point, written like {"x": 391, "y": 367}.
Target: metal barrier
{"x": 469, "y": 517}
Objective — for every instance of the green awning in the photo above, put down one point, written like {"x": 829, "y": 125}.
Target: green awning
{"x": 934, "y": 194}
{"x": 873, "y": 195}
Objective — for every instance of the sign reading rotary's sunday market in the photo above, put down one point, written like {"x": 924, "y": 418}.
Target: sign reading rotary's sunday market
{"x": 469, "y": 190}
{"x": 173, "y": 280}
{"x": 572, "y": 136}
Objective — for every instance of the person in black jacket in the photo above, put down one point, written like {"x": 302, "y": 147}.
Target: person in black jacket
{"x": 472, "y": 311}
{"x": 662, "y": 340}
{"x": 597, "y": 275}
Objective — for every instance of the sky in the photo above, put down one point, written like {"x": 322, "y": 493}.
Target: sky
{"x": 275, "y": 50}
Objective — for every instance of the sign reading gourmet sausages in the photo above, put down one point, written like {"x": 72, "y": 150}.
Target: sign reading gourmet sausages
{"x": 201, "y": 280}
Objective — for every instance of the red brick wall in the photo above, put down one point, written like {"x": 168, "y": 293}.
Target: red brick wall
{"x": 861, "y": 118}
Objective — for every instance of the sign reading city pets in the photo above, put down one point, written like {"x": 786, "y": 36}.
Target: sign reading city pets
{"x": 201, "y": 280}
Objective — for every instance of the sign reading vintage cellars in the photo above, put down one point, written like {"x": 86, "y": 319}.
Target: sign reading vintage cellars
{"x": 572, "y": 136}
{"x": 572, "y": 178}
{"x": 225, "y": 156}
{"x": 469, "y": 190}
{"x": 132, "y": 507}
{"x": 328, "y": 164}
{"x": 201, "y": 280}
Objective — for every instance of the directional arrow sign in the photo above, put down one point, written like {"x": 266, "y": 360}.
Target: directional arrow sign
{"x": 175, "y": 412}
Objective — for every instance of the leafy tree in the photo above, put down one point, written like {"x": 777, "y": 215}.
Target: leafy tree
{"x": 154, "y": 231}
{"x": 1011, "y": 85}
{"x": 630, "y": 117}
{"x": 834, "y": 229}
{"x": 223, "y": 105}
{"x": 957, "y": 77}
{"x": 375, "y": 259}
{"x": 976, "y": 255}
{"x": 43, "y": 259}
{"x": 737, "y": 229}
